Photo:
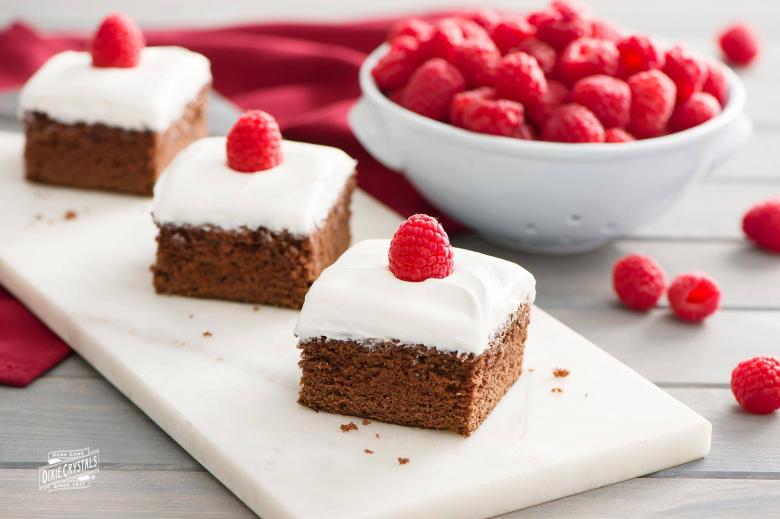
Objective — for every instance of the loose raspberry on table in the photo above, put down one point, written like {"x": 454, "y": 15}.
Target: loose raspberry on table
{"x": 396, "y": 66}
{"x": 431, "y": 88}
{"x": 694, "y": 296}
{"x": 519, "y": 77}
{"x": 477, "y": 61}
{"x": 608, "y": 98}
{"x": 573, "y": 123}
{"x": 560, "y": 27}
{"x": 545, "y": 55}
{"x": 510, "y": 31}
{"x": 739, "y": 43}
{"x": 417, "y": 28}
{"x": 716, "y": 84}
{"x": 687, "y": 72}
{"x": 118, "y": 42}
{"x": 605, "y": 30}
{"x": 586, "y": 57}
{"x": 639, "y": 281}
{"x": 756, "y": 384}
{"x": 616, "y": 135}
{"x": 540, "y": 111}
{"x": 761, "y": 224}
{"x": 637, "y": 54}
{"x": 254, "y": 143}
{"x": 494, "y": 116}
{"x": 652, "y": 102}
{"x": 700, "y": 108}
{"x": 420, "y": 250}
{"x": 464, "y": 101}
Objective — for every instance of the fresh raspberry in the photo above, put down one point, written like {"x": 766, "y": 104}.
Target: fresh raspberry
{"x": 586, "y": 57}
{"x": 445, "y": 35}
{"x": 396, "y": 66}
{"x": 540, "y": 111}
{"x": 605, "y": 30}
{"x": 687, "y": 72}
{"x": 639, "y": 281}
{"x": 716, "y": 84}
{"x": 477, "y": 60}
{"x": 739, "y": 43}
{"x": 700, "y": 108}
{"x": 465, "y": 101}
{"x": 637, "y": 54}
{"x": 559, "y": 28}
{"x": 762, "y": 224}
{"x": 573, "y": 123}
{"x": 494, "y": 116}
{"x": 510, "y": 32}
{"x": 694, "y": 296}
{"x": 485, "y": 18}
{"x": 571, "y": 8}
{"x": 417, "y": 28}
{"x": 519, "y": 77}
{"x": 608, "y": 98}
{"x": 525, "y": 133}
{"x": 118, "y": 42}
{"x": 472, "y": 30}
{"x": 254, "y": 143}
{"x": 544, "y": 54}
{"x": 431, "y": 88}
{"x": 756, "y": 384}
{"x": 420, "y": 250}
{"x": 617, "y": 135}
{"x": 652, "y": 103}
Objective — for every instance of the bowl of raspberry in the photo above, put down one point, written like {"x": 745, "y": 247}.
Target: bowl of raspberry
{"x": 553, "y": 132}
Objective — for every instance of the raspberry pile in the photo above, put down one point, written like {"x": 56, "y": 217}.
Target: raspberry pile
{"x": 558, "y": 74}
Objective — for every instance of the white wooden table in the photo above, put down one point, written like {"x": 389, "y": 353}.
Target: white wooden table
{"x": 144, "y": 473}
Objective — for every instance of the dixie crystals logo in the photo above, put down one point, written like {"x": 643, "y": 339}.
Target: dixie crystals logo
{"x": 68, "y": 470}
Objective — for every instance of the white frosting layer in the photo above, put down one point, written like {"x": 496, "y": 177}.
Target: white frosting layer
{"x": 358, "y": 298}
{"x": 150, "y": 96}
{"x": 199, "y": 188}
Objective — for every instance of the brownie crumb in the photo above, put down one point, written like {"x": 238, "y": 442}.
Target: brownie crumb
{"x": 346, "y": 427}
{"x": 403, "y": 461}
{"x": 191, "y": 316}
{"x": 556, "y": 390}
{"x": 70, "y": 214}
{"x": 531, "y": 370}
{"x": 255, "y": 308}
{"x": 366, "y": 421}
{"x": 377, "y": 435}
{"x": 561, "y": 372}
{"x": 38, "y": 216}
{"x": 207, "y": 333}
{"x": 368, "y": 451}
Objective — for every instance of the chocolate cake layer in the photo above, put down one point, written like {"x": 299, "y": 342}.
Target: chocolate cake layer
{"x": 250, "y": 266}
{"x": 412, "y": 385}
{"x": 96, "y": 156}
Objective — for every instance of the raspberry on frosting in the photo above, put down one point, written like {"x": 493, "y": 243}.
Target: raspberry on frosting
{"x": 254, "y": 143}
{"x": 117, "y": 43}
{"x": 420, "y": 250}
{"x": 756, "y": 384}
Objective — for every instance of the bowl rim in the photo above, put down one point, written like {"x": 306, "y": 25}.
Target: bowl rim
{"x": 498, "y": 144}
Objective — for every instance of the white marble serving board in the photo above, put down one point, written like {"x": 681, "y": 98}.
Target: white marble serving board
{"x": 230, "y": 399}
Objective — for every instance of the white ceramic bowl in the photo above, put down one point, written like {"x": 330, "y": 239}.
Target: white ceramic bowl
{"x": 542, "y": 196}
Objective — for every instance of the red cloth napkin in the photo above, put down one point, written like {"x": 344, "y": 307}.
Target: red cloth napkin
{"x": 306, "y": 75}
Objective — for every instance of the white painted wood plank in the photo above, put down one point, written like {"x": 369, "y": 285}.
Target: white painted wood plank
{"x": 756, "y": 162}
{"x": 749, "y": 277}
{"x": 120, "y": 493}
{"x": 65, "y": 413}
{"x": 668, "y": 351}
{"x": 665, "y": 498}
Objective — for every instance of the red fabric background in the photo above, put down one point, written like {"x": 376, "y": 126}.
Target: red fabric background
{"x": 304, "y": 74}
